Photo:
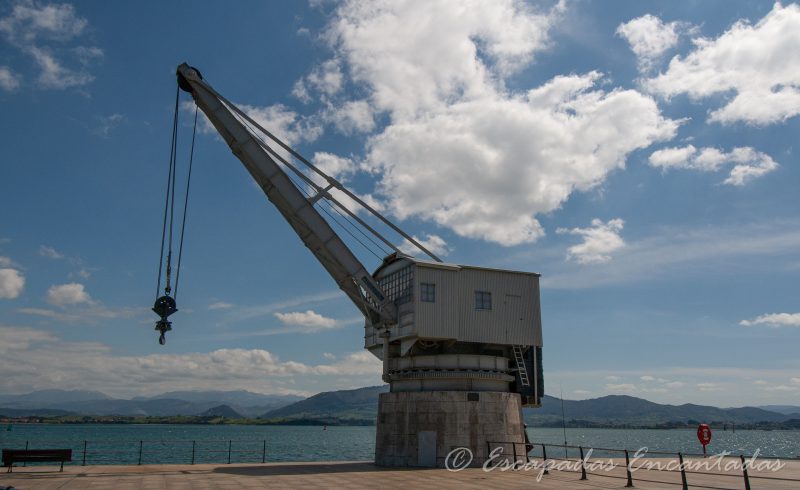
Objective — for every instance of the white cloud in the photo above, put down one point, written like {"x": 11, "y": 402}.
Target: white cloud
{"x": 87, "y": 55}
{"x": 12, "y": 282}
{"x": 664, "y": 385}
{"x": 357, "y": 363}
{"x": 48, "y": 313}
{"x": 782, "y": 388}
{"x": 655, "y": 390}
{"x": 335, "y": 166}
{"x": 795, "y": 381}
{"x": 254, "y": 311}
{"x": 42, "y": 31}
{"x": 709, "y": 387}
{"x": 341, "y": 169}
{"x": 759, "y": 63}
{"x": 278, "y": 119}
{"x": 220, "y": 305}
{"x": 743, "y": 173}
{"x": 309, "y": 319}
{"x": 457, "y": 54}
{"x": 327, "y": 77}
{"x": 9, "y": 81}
{"x": 300, "y": 91}
{"x": 34, "y": 359}
{"x": 329, "y": 356}
{"x": 19, "y": 338}
{"x": 108, "y": 123}
{"x": 501, "y": 160}
{"x": 649, "y": 38}
{"x": 29, "y": 20}
{"x": 87, "y": 313}
{"x": 680, "y": 250}
{"x": 5, "y": 261}
{"x": 68, "y": 294}
{"x": 774, "y": 320}
{"x": 355, "y": 116}
{"x": 599, "y": 241}
{"x": 681, "y": 157}
{"x": 434, "y": 243}
{"x": 748, "y": 163}
{"x": 283, "y": 122}
{"x": 50, "y": 252}
{"x": 462, "y": 151}
{"x": 53, "y": 74}
{"x": 621, "y": 388}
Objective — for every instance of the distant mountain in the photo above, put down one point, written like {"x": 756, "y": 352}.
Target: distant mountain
{"x": 360, "y": 404}
{"x": 610, "y": 410}
{"x": 160, "y": 407}
{"x": 48, "y": 397}
{"x": 221, "y": 411}
{"x": 32, "y": 412}
{"x": 784, "y": 409}
{"x": 244, "y": 403}
{"x": 628, "y": 410}
{"x": 241, "y": 397}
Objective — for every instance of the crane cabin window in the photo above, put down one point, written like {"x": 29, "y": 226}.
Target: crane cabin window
{"x": 483, "y": 300}
{"x": 427, "y": 292}
{"x": 399, "y": 286}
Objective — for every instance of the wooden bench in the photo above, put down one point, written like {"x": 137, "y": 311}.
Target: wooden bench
{"x": 11, "y": 456}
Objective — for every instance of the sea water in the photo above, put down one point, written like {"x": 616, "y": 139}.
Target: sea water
{"x": 184, "y": 444}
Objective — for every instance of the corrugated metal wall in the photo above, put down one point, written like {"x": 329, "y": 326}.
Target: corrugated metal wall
{"x": 440, "y": 319}
{"x": 515, "y": 317}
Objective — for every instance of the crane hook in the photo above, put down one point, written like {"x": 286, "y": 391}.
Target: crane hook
{"x": 164, "y": 307}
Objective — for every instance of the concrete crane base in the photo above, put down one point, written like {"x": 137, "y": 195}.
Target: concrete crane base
{"x": 421, "y": 428}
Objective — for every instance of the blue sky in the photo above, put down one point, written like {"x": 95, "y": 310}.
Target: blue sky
{"x": 641, "y": 157}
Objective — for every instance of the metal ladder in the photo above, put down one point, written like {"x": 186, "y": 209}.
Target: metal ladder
{"x": 520, "y": 360}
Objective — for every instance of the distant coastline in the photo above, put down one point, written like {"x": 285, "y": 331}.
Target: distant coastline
{"x": 793, "y": 424}
{"x": 177, "y": 420}
{"x": 359, "y": 407}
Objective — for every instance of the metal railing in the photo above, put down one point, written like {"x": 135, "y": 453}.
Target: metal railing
{"x": 584, "y": 462}
{"x": 138, "y": 452}
{"x": 228, "y": 451}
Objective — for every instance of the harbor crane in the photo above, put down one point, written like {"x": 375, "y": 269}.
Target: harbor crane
{"x": 461, "y": 345}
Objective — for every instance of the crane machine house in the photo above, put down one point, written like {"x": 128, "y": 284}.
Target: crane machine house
{"x": 461, "y": 346}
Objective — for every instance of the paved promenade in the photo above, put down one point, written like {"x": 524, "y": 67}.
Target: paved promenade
{"x": 358, "y": 475}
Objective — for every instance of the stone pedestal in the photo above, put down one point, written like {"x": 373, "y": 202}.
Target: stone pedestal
{"x": 421, "y": 428}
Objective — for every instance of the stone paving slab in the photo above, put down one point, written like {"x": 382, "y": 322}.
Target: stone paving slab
{"x": 359, "y": 475}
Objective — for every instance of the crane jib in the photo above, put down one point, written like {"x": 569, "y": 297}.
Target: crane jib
{"x": 261, "y": 161}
